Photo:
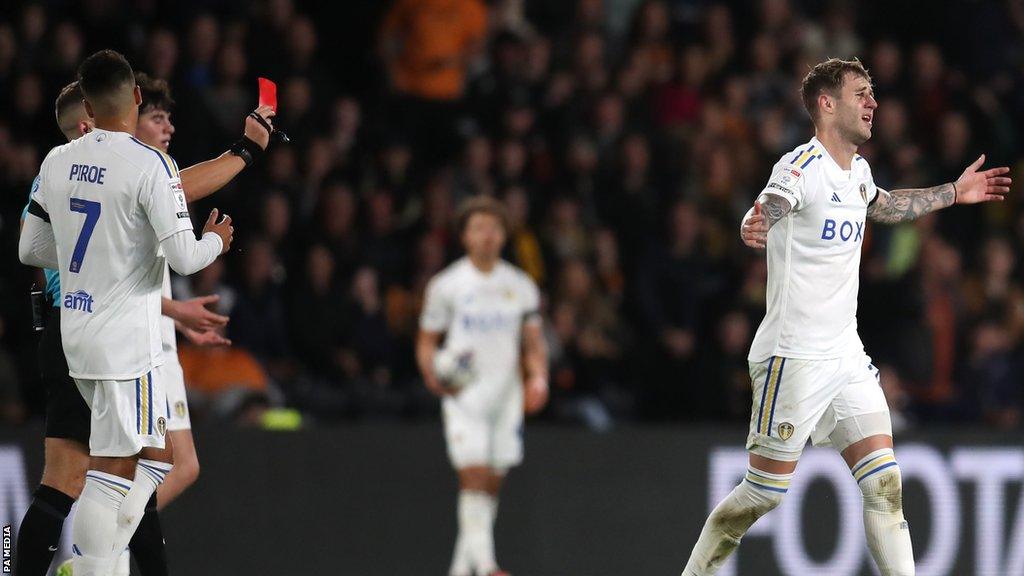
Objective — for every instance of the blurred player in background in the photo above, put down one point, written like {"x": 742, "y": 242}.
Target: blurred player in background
{"x": 67, "y": 421}
{"x": 488, "y": 313}
{"x": 810, "y": 375}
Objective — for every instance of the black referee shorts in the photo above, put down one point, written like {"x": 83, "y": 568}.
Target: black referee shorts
{"x": 67, "y": 414}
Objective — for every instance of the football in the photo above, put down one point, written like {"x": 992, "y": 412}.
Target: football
{"x": 454, "y": 367}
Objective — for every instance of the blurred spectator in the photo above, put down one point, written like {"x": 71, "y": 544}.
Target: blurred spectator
{"x": 220, "y": 380}
{"x": 993, "y": 372}
{"x": 427, "y": 46}
{"x": 12, "y": 409}
{"x": 523, "y": 242}
{"x": 258, "y": 317}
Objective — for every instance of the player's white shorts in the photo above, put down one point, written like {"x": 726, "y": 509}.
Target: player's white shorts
{"x": 172, "y": 379}
{"x": 799, "y": 399}
{"x": 127, "y": 415}
{"x": 491, "y": 437}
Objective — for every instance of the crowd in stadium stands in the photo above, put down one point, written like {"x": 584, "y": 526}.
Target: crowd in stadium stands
{"x": 627, "y": 138}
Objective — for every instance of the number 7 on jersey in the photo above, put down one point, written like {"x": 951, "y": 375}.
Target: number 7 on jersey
{"x": 92, "y": 215}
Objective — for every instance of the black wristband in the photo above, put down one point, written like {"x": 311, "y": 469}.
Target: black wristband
{"x": 247, "y": 149}
{"x": 955, "y": 193}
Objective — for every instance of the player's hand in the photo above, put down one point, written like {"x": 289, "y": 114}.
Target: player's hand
{"x": 986, "y": 186}
{"x": 436, "y": 387}
{"x": 207, "y": 338}
{"x": 754, "y": 230}
{"x": 194, "y": 315}
{"x": 224, "y": 229}
{"x": 535, "y": 394}
{"x": 255, "y": 131}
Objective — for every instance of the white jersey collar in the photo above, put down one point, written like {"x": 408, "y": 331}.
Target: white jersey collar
{"x": 830, "y": 161}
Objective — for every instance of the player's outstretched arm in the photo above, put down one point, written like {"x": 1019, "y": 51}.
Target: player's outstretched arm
{"x": 426, "y": 346}
{"x": 535, "y": 359}
{"x": 201, "y": 180}
{"x": 193, "y": 313}
{"x": 971, "y": 188}
{"x": 208, "y": 338}
{"x": 768, "y": 209}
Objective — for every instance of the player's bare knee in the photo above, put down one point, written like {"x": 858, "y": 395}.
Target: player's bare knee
{"x": 123, "y": 466}
{"x": 65, "y": 465}
{"x": 70, "y": 482}
{"x": 474, "y": 478}
{"x": 165, "y": 455}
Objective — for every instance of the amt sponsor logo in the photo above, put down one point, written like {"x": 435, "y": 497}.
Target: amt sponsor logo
{"x": 80, "y": 300}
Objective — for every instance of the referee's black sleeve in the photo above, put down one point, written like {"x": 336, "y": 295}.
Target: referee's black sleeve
{"x": 36, "y": 209}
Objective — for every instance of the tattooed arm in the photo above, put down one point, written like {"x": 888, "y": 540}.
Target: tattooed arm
{"x": 972, "y": 187}
{"x": 767, "y": 210}
{"x": 909, "y": 204}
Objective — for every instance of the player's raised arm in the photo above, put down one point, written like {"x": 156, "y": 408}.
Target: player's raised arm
{"x": 163, "y": 201}
{"x": 193, "y": 314}
{"x": 971, "y": 188}
{"x": 201, "y": 180}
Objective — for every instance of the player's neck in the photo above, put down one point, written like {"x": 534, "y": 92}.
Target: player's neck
{"x": 840, "y": 149}
{"x": 116, "y": 124}
{"x": 483, "y": 264}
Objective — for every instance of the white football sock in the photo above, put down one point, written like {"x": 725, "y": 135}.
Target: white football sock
{"x": 95, "y": 526}
{"x": 888, "y": 534}
{"x": 149, "y": 474}
{"x": 123, "y": 565}
{"x": 476, "y": 532}
{"x": 758, "y": 493}
{"x": 461, "y": 565}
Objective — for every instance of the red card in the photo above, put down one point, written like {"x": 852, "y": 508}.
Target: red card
{"x": 268, "y": 93}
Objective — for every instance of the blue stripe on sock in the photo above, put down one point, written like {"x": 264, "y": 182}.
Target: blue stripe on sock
{"x": 155, "y": 473}
{"x": 151, "y": 474}
{"x": 110, "y": 482}
{"x": 877, "y": 470}
{"x": 863, "y": 464}
{"x": 763, "y": 487}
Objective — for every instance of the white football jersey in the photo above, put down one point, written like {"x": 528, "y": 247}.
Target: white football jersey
{"x": 483, "y": 312}
{"x": 167, "y": 333}
{"x": 814, "y": 257}
{"x": 111, "y": 200}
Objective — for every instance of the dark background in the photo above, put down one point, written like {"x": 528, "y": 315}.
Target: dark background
{"x": 630, "y": 137}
